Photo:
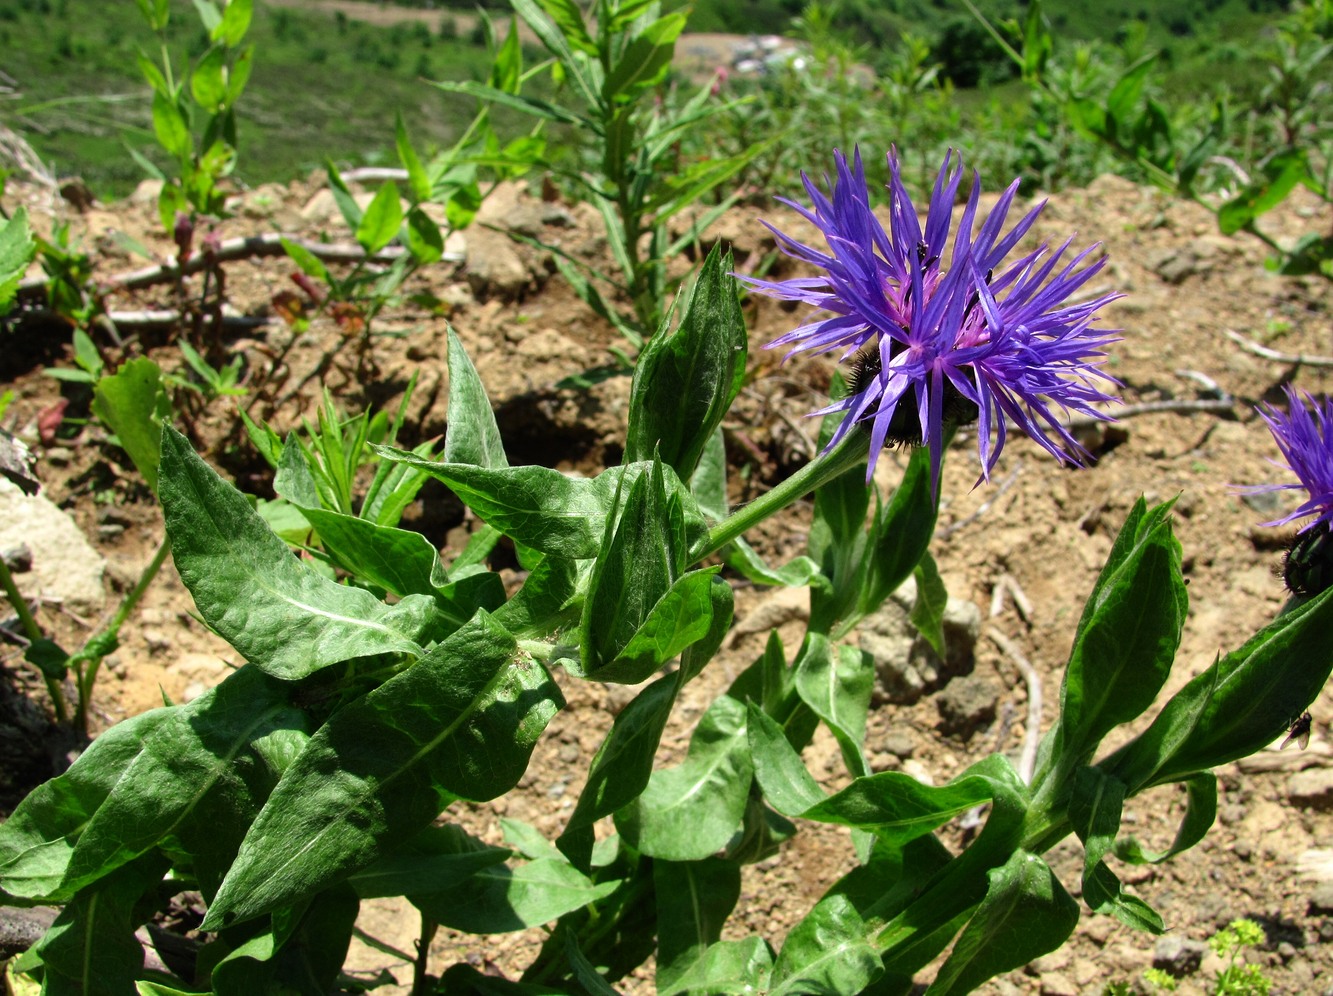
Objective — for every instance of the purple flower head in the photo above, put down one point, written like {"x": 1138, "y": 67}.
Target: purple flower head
{"x": 947, "y": 331}
{"x": 1304, "y": 434}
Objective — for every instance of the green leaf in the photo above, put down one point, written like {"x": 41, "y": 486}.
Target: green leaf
{"x": 1123, "y": 100}
{"x": 208, "y": 84}
{"x": 828, "y": 952}
{"x": 1200, "y": 812}
{"x": 169, "y": 125}
{"x": 708, "y": 483}
{"x": 1240, "y": 705}
{"x": 382, "y": 219}
{"x": 436, "y": 860}
{"x": 507, "y": 62}
{"x": 342, "y": 196}
{"x": 208, "y": 14}
{"x": 684, "y": 382}
{"x": 568, "y": 19}
{"x": 796, "y": 573}
{"x": 527, "y": 105}
{"x": 17, "y": 249}
{"x": 690, "y": 811}
{"x": 898, "y": 808}
{"x": 931, "y": 601}
{"x": 424, "y": 240}
{"x": 277, "y": 612}
{"x": 1026, "y": 914}
{"x": 418, "y": 182}
{"x": 91, "y": 949}
{"x": 501, "y": 898}
{"x": 310, "y": 264}
{"x": 900, "y": 536}
{"x": 201, "y": 754}
{"x": 1282, "y": 173}
{"x": 623, "y": 763}
{"x": 727, "y": 968}
{"x": 473, "y": 436}
{"x": 694, "y": 899}
{"x": 235, "y": 22}
{"x": 460, "y": 722}
{"x": 37, "y": 839}
{"x": 645, "y": 60}
{"x": 787, "y": 783}
{"x": 1102, "y": 892}
{"x": 839, "y": 693}
{"x": 548, "y": 601}
{"x": 304, "y": 959}
{"x": 132, "y": 403}
{"x": 1128, "y": 635}
{"x": 722, "y": 610}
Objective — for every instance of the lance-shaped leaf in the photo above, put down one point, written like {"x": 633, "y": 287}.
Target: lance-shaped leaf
{"x": 690, "y": 811}
{"x": 708, "y": 483}
{"x": 504, "y": 898}
{"x": 1240, "y": 705}
{"x": 787, "y": 783}
{"x": 696, "y": 656}
{"x": 38, "y": 838}
{"x": 827, "y": 952}
{"x": 1128, "y": 635}
{"x": 132, "y": 403}
{"x": 836, "y": 683}
{"x": 694, "y": 899}
{"x": 623, "y": 763}
{"x": 90, "y": 949}
{"x": 277, "y": 612}
{"x": 435, "y": 860}
{"x": 837, "y": 542}
{"x": 461, "y": 721}
{"x": 549, "y": 599}
{"x": 304, "y": 959}
{"x": 684, "y": 382}
{"x": 1026, "y": 914}
{"x": 199, "y": 755}
{"x": 1095, "y": 805}
{"x": 1200, "y": 813}
{"x": 900, "y": 533}
{"x": 931, "y": 601}
{"x": 473, "y": 436}
{"x": 727, "y": 968}
{"x": 641, "y": 610}
{"x": 16, "y": 251}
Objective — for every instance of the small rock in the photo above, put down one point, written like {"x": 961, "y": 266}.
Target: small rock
{"x": 899, "y": 744}
{"x": 1178, "y": 956}
{"x": 1321, "y": 898}
{"x": 1312, "y": 788}
{"x": 64, "y": 566}
{"x": 918, "y": 771}
{"x": 494, "y": 268}
{"x": 906, "y": 666}
{"x": 1058, "y": 984}
{"x": 967, "y": 704}
{"x": 569, "y": 753}
{"x": 17, "y": 558}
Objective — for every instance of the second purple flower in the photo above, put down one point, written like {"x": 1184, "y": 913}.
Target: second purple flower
{"x": 946, "y": 331}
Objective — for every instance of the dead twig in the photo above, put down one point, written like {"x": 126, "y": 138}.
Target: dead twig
{"x": 1027, "y": 760}
{"x": 1007, "y": 583}
{"x": 1304, "y": 359}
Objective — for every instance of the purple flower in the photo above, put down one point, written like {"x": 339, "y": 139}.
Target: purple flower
{"x": 944, "y": 344}
{"x": 1304, "y": 434}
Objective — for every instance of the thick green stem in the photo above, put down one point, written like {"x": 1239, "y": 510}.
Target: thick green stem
{"x": 34, "y": 634}
{"x": 96, "y": 648}
{"x": 847, "y": 454}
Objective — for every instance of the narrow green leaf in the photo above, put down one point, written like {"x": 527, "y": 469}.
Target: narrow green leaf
{"x": 342, "y": 197}
{"x": 424, "y": 240}
{"x": 502, "y": 898}
{"x": 900, "y": 535}
{"x": 1096, "y": 802}
{"x": 827, "y": 952}
{"x": 436, "y": 860}
{"x": 708, "y": 483}
{"x": 548, "y": 601}
{"x": 208, "y": 84}
{"x": 305, "y": 959}
{"x": 1200, "y": 813}
{"x": 1102, "y": 892}
{"x": 1128, "y": 635}
{"x": 132, "y": 403}
{"x": 201, "y": 754}
{"x": 690, "y": 811}
{"x": 623, "y": 763}
{"x": 460, "y": 722}
{"x": 90, "y": 949}
{"x": 418, "y": 183}
{"x": 310, "y": 264}
{"x": 527, "y": 105}
{"x": 722, "y": 608}
{"x": 37, "y": 839}
{"x": 683, "y": 382}
{"x": 1123, "y": 100}
{"x": 727, "y": 968}
{"x": 235, "y": 22}
{"x": 796, "y": 573}
{"x": 277, "y": 612}
{"x": 169, "y": 125}
{"x": 787, "y": 783}
{"x": 1240, "y": 705}
{"x": 473, "y": 436}
{"x": 836, "y": 683}
{"x": 694, "y": 900}
{"x": 382, "y": 219}
{"x": 898, "y": 808}
{"x": 931, "y": 601}
{"x": 1281, "y": 175}
{"x": 1026, "y": 914}
{"x": 17, "y": 249}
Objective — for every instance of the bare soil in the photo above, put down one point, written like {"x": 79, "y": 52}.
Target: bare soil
{"x": 1046, "y": 527}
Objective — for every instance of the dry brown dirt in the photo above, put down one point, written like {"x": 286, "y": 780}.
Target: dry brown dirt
{"x": 1046, "y": 527}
